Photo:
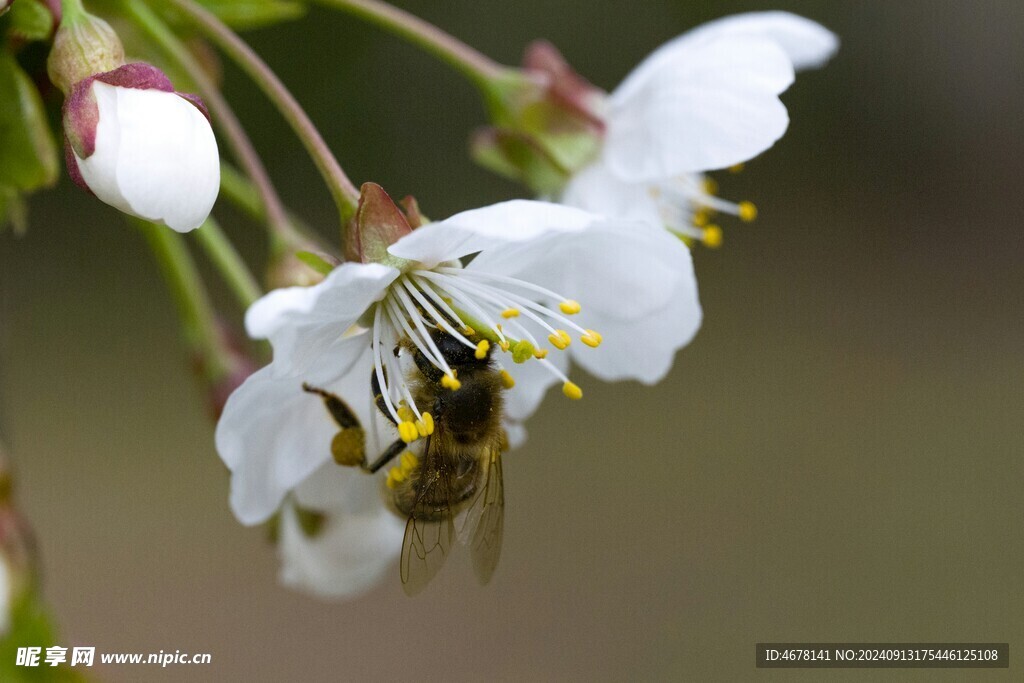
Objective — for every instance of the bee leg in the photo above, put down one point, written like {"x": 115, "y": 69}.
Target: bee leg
{"x": 348, "y": 447}
{"x": 387, "y": 456}
{"x": 378, "y": 397}
{"x": 338, "y": 409}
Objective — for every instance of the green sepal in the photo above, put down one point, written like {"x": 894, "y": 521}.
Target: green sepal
{"x": 28, "y": 153}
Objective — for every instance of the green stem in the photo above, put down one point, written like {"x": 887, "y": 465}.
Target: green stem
{"x": 345, "y": 194}
{"x": 476, "y": 66}
{"x": 223, "y": 115}
{"x": 71, "y": 11}
{"x": 198, "y": 319}
{"x": 230, "y": 264}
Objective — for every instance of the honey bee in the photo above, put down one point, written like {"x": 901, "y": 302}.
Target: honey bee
{"x": 454, "y": 488}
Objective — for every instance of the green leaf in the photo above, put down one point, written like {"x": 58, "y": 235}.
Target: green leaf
{"x": 248, "y": 14}
{"x": 28, "y": 154}
{"x": 31, "y": 20}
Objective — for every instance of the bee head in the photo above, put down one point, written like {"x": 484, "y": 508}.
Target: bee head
{"x": 457, "y": 353}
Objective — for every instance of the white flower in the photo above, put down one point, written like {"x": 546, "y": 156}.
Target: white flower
{"x": 141, "y": 147}
{"x": 706, "y": 100}
{"x": 537, "y": 269}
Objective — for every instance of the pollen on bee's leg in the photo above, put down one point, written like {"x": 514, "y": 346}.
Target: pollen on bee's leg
{"x": 572, "y": 391}
{"x": 507, "y": 380}
{"x": 560, "y": 339}
{"x": 712, "y": 237}
{"x": 395, "y": 477}
{"x": 747, "y": 211}
{"x": 569, "y": 307}
{"x": 451, "y": 382}
{"x": 482, "y": 347}
{"x": 425, "y": 425}
{"x": 348, "y": 447}
{"x": 407, "y": 431}
{"x": 408, "y": 463}
{"x": 592, "y": 339}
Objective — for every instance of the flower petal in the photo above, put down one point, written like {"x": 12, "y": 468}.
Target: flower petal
{"x": 348, "y": 555}
{"x": 302, "y": 322}
{"x": 705, "y": 105}
{"x": 597, "y": 189}
{"x": 155, "y": 156}
{"x": 635, "y": 284}
{"x": 273, "y": 435}
{"x": 807, "y": 43}
{"x": 468, "y": 232}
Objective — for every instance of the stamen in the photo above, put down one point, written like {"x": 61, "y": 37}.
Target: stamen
{"x": 747, "y": 211}
{"x": 736, "y": 168}
{"x": 418, "y": 321}
{"x": 408, "y": 463}
{"x": 569, "y": 307}
{"x": 540, "y": 354}
{"x": 448, "y": 286}
{"x": 560, "y": 339}
{"x": 378, "y": 365}
{"x": 507, "y": 380}
{"x": 712, "y": 237}
{"x": 592, "y": 339}
{"x": 425, "y": 425}
{"x": 572, "y": 391}
{"x": 405, "y": 413}
{"x": 510, "y": 313}
{"x": 395, "y": 477}
{"x": 407, "y": 432}
{"x": 481, "y": 349}
{"x": 451, "y": 382}
{"x": 439, "y": 319}
{"x": 469, "y": 272}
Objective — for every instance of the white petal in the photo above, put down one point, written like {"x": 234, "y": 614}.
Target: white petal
{"x": 635, "y": 284}
{"x": 273, "y": 435}
{"x": 155, "y": 157}
{"x": 807, "y": 43}
{"x": 348, "y": 555}
{"x": 598, "y": 190}
{"x": 710, "y": 104}
{"x": 302, "y": 322}
{"x": 532, "y": 382}
{"x": 468, "y": 232}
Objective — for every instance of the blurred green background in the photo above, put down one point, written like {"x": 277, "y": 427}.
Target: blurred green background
{"x": 836, "y": 457}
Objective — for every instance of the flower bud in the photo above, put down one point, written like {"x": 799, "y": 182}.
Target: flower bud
{"x": 547, "y": 122}
{"x": 83, "y": 46}
{"x": 141, "y": 147}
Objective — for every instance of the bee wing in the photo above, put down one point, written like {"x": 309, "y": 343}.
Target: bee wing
{"x": 427, "y": 542}
{"x": 485, "y": 520}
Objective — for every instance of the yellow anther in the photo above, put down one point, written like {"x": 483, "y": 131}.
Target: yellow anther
{"x": 408, "y": 463}
{"x": 482, "y": 347}
{"x": 710, "y": 186}
{"x": 572, "y": 391}
{"x": 407, "y": 432}
{"x": 592, "y": 339}
{"x": 522, "y": 351}
{"x": 540, "y": 354}
{"x": 449, "y": 382}
{"x": 504, "y": 345}
{"x": 405, "y": 413}
{"x": 701, "y": 218}
{"x": 349, "y": 447}
{"x": 569, "y": 307}
{"x": 395, "y": 477}
{"x": 510, "y": 313}
{"x": 712, "y": 237}
{"x": 560, "y": 339}
{"x": 736, "y": 168}
{"x": 428, "y": 424}
{"x": 507, "y": 379}
{"x": 748, "y": 212}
